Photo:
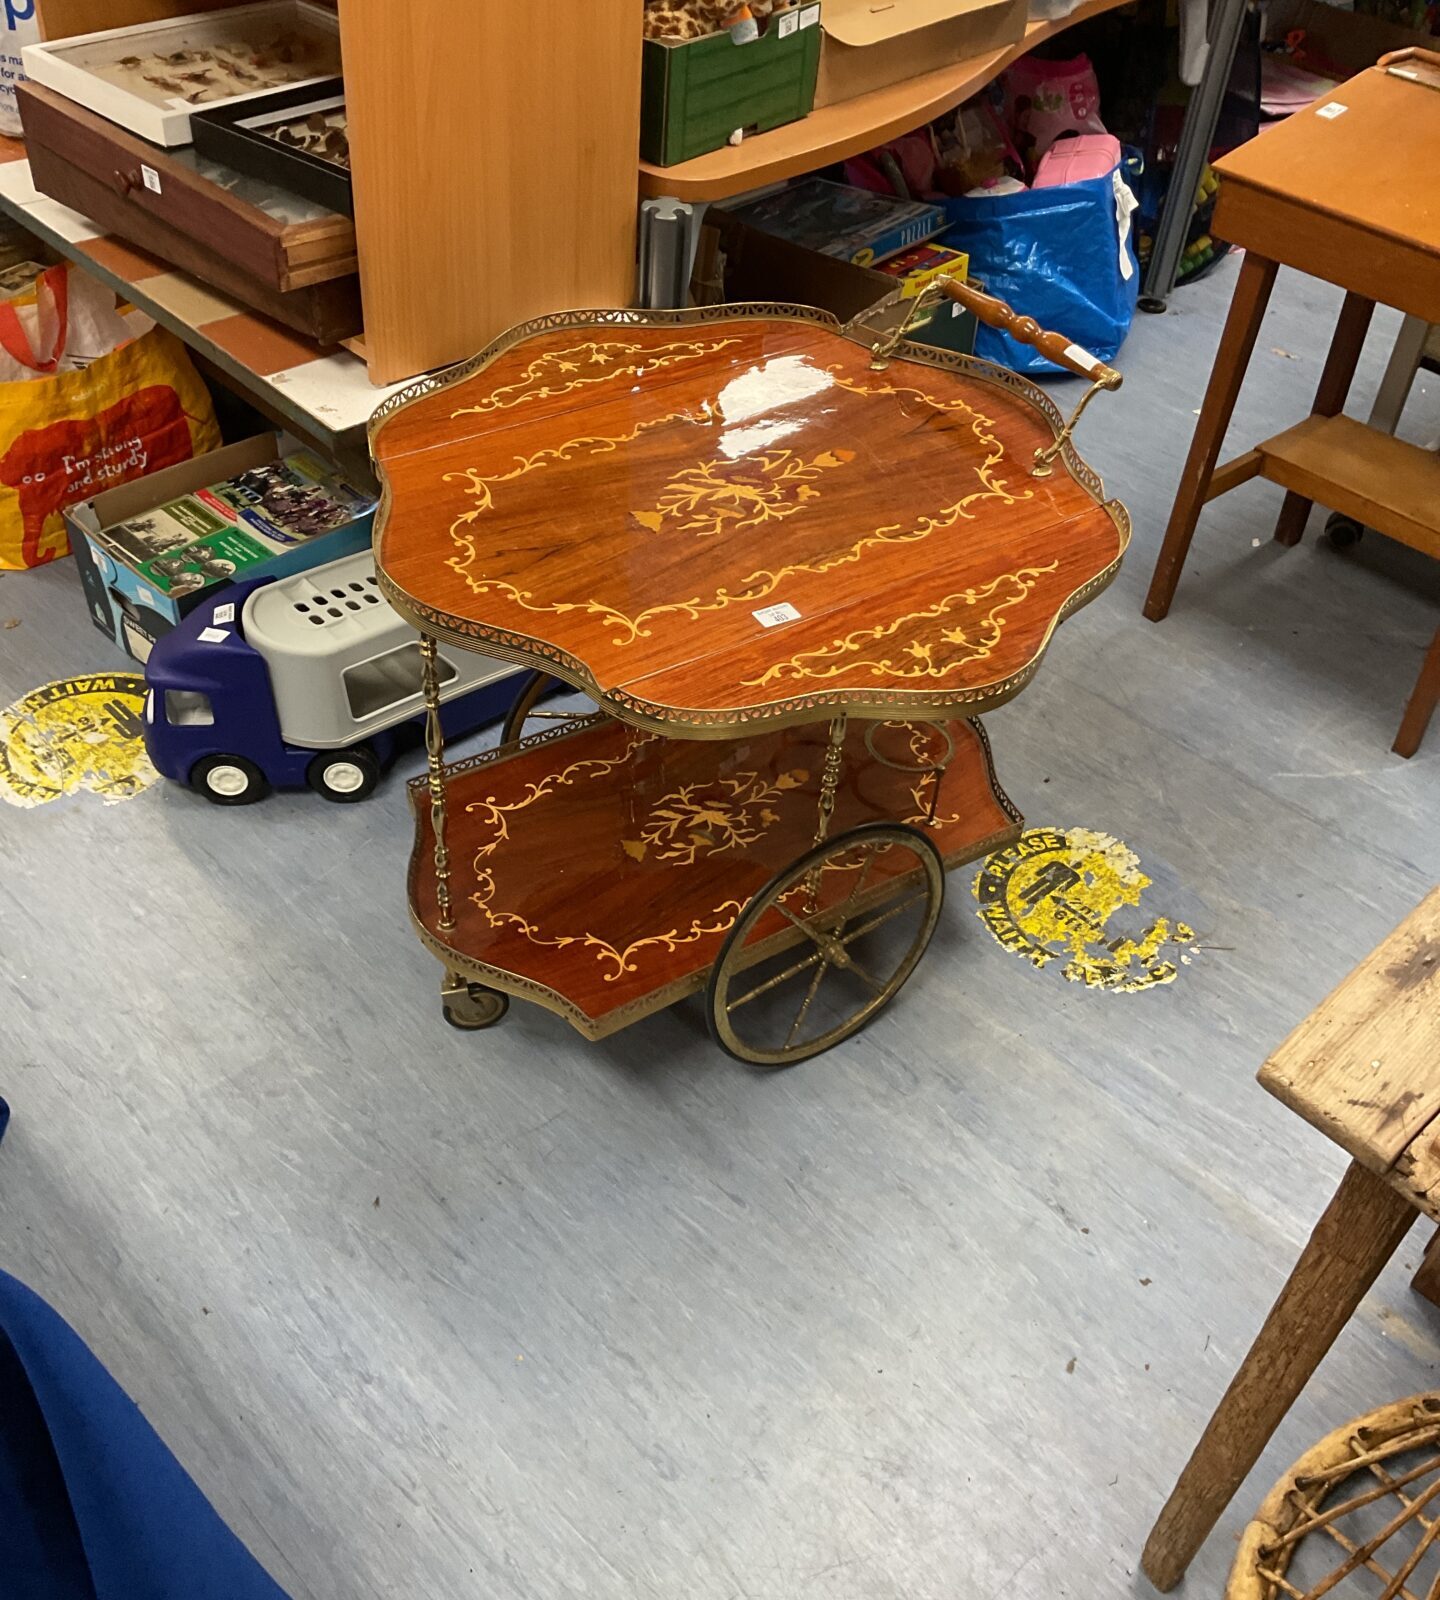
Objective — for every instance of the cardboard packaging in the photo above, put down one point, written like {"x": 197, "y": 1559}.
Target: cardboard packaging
{"x": 135, "y": 594}
{"x": 868, "y": 46}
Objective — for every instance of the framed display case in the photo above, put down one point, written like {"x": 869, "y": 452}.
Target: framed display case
{"x": 297, "y": 139}
{"x": 148, "y": 77}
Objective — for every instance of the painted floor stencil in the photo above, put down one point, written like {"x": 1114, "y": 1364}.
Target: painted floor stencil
{"x": 73, "y": 735}
{"x": 1075, "y": 895}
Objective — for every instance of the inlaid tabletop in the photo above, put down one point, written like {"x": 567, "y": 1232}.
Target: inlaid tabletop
{"x": 710, "y": 518}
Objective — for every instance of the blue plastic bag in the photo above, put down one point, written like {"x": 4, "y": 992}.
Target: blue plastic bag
{"x": 1059, "y": 255}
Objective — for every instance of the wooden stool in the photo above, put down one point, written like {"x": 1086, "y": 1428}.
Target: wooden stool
{"x": 1364, "y": 1067}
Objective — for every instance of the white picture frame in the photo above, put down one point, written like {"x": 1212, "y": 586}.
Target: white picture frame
{"x": 65, "y": 65}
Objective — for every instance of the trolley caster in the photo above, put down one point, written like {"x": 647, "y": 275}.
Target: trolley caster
{"x": 471, "y": 1006}
{"x": 1343, "y": 531}
{"x": 826, "y": 945}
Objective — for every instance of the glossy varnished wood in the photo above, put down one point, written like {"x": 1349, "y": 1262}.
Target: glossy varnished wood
{"x": 598, "y": 871}
{"x": 621, "y": 500}
{"x": 1306, "y": 194}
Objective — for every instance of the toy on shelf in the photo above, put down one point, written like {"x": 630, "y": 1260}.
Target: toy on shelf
{"x": 695, "y": 19}
{"x": 280, "y": 683}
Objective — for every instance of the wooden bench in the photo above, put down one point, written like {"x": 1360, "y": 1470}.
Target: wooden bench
{"x": 1364, "y": 1067}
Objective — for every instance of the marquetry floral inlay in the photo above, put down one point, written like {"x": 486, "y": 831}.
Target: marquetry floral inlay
{"x": 707, "y": 819}
{"x": 723, "y": 496}
{"x": 910, "y": 649}
{"x": 558, "y": 372}
{"x": 620, "y": 959}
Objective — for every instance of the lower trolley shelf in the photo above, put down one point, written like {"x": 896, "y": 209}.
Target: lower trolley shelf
{"x": 597, "y": 869}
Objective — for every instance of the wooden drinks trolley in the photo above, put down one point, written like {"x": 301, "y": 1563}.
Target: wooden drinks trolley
{"x": 789, "y": 562}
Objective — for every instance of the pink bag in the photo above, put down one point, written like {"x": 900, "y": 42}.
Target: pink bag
{"x": 1089, "y": 155}
{"x": 1045, "y": 99}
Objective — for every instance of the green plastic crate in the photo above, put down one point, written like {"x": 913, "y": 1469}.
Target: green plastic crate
{"x": 695, "y": 95}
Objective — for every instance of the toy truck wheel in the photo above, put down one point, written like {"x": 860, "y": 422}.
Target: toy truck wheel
{"x": 228, "y": 780}
{"x": 344, "y": 776}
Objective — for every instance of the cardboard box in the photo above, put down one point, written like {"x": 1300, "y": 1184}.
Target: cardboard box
{"x": 695, "y": 94}
{"x": 868, "y": 45}
{"x": 1350, "y": 40}
{"x": 129, "y": 591}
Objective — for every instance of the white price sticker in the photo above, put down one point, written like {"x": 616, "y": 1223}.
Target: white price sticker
{"x": 1082, "y": 357}
{"x": 1331, "y": 111}
{"x": 789, "y": 23}
{"x": 225, "y": 613}
{"x": 212, "y": 635}
{"x": 809, "y": 16}
{"x": 773, "y": 616}
{"x": 150, "y": 177}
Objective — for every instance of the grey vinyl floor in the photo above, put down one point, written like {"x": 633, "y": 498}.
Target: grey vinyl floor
{"x": 938, "y": 1315}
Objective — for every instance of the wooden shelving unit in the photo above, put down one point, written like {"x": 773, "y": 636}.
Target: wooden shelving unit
{"x": 492, "y": 149}
{"x": 836, "y": 132}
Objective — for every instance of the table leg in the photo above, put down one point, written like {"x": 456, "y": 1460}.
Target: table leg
{"x": 1426, "y": 1282}
{"x": 1360, "y": 1230}
{"x": 1423, "y": 699}
{"x": 1399, "y": 377}
{"x": 1335, "y": 380}
{"x": 1247, "y": 310}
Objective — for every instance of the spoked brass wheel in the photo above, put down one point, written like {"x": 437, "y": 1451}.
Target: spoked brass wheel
{"x": 826, "y": 945}
{"x": 524, "y": 712}
{"x": 470, "y": 1006}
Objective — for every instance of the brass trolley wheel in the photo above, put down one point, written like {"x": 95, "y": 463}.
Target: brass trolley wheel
{"x": 524, "y": 707}
{"x": 860, "y": 910}
{"x": 471, "y": 1006}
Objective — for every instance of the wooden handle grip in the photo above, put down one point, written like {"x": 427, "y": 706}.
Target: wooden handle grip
{"x": 1054, "y": 347}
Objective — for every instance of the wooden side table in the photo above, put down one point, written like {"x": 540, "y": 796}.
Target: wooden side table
{"x": 1364, "y": 1067}
{"x": 1319, "y": 193}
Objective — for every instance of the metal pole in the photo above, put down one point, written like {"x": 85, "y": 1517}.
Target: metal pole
{"x": 1196, "y": 136}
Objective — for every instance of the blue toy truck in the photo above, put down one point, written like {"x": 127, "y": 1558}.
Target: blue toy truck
{"x": 309, "y": 679}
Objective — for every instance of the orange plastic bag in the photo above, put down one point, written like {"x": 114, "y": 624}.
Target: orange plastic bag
{"x": 85, "y": 419}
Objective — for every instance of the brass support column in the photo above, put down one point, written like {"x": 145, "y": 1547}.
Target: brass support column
{"x": 830, "y": 777}
{"x": 435, "y": 752}
{"x": 829, "y": 784}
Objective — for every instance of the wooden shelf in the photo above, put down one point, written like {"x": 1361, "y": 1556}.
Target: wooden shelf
{"x": 836, "y": 132}
{"x": 1382, "y": 482}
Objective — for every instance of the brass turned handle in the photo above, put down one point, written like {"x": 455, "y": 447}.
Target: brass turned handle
{"x": 995, "y": 313}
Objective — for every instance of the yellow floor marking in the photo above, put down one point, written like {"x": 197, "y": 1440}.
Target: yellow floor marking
{"x": 72, "y": 735}
{"x": 1055, "y": 893}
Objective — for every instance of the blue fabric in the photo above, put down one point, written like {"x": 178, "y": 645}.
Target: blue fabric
{"x": 92, "y": 1504}
{"x": 1054, "y": 254}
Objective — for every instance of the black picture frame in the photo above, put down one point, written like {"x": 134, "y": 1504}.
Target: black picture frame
{"x": 219, "y": 134}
